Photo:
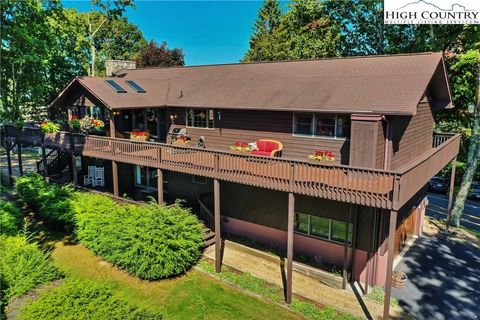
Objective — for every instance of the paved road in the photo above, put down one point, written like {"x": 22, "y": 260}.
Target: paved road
{"x": 443, "y": 280}
{"x": 437, "y": 208}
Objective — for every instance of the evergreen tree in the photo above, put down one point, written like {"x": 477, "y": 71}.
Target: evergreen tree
{"x": 304, "y": 31}
{"x": 264, "y": 33}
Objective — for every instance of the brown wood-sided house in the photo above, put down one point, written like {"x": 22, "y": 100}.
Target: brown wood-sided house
{"x": 369, "y": 120}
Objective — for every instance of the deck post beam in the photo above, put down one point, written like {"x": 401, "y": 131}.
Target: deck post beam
{"x": 9, "y": 146}
{"x": 391, "y": 247}
{"x": 74, "y": 169}
{"x": 44, "y": 157}
{"x": 218, "y": 238}
{"x": 19, "y": 154}
{"x": 114, "y": 163}
{"x": 291, "y": 221}
{"x": 450, "y": 191}
{"x": 345, "y": 252}
{"x": 160, "y": 186}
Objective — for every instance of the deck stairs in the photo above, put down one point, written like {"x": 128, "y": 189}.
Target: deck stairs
{"x": 56, "y": 162}
{"x": 205, "y": 214}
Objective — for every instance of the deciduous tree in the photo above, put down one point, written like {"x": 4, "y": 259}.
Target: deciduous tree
{"x": 155, "y": 55}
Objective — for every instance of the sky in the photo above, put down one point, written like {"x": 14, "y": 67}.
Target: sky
{"x": 209, "y": 32}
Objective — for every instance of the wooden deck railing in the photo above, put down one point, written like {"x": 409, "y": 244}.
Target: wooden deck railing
{"x": 370, "y": 187}
{"x": 62, "y": 140}
{"x": 417, "y": 173}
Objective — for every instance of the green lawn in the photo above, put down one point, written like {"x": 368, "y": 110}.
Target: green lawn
{"x": 191, "y": 296}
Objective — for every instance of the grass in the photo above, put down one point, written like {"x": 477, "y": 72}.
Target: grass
{"x": 378, "y": 295}
{"x": 274, "y": 293}
{"x": 442, "y": 223}
{"x": 190, "y": 296}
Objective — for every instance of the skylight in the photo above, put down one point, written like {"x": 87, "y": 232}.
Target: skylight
{"x": 116, "y": 86}
{"x": 135, "y": 86}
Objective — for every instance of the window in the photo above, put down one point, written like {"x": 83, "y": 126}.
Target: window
{"x": 199, "y": 179}
{"x": 200, "y": 118}
{"x": 319, "y": 227}
{"x": 301, "y": 223}
{"x": 135, "y": 86}
{"x": 324, "y": 228}
{"x": 145, "y": 177}
{"x": 303, "y": 124}
{"x": 116, "y": 86}
{"x": 320, "y": 125}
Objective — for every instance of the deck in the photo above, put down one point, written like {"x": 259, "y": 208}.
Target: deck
{"x": 363, "y": 186}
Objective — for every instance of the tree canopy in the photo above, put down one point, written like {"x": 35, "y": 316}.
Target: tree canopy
{"x": 303, "y": 31}
{"x": 155, "y": 55}
{"x": 45, "y": 45}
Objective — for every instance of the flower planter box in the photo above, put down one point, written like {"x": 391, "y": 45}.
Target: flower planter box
{"x": 138, "y": 138}
{"x": 399, "y": 279}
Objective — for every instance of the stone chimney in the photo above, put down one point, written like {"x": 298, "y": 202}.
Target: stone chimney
{"x": 113, "y": 66}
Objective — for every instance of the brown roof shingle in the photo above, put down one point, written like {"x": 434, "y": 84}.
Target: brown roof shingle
{"x": 391, "y": 84}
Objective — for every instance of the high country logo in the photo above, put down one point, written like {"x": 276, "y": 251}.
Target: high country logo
{"x": 432, "y": 11}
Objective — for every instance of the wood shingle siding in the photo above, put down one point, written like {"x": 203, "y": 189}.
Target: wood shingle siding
{"x": 412, "y": 136}
{"x": 243, "y": 125}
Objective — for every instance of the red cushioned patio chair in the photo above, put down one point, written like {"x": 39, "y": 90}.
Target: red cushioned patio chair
{"x": 268, "y": 148}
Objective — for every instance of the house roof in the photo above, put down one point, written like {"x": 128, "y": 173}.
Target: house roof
{"x": 392, "y": 84}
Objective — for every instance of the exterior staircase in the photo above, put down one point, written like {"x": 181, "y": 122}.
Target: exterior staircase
{"x": 56, "y": 162}
{"x": 205, "y": 214}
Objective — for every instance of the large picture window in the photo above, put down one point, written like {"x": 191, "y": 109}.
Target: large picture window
{"x": 200, "y": 118}
{"x": 320, "y": 125}
{"x": 328, "y": 229}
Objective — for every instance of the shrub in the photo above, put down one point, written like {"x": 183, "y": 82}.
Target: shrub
{"x": 23, "y": 266}
{"x": 77, "y": 299}
{"x": 10, "y": 218}
{"x": 148, "y": 241}
{"x": 93, "y": 204}
{"x": 55, "y": 205}
{"x": 52, "y": 201}
{"x": 29, "y": 187}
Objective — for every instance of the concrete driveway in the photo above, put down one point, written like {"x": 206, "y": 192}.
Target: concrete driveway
{"x": 443, "y": 277}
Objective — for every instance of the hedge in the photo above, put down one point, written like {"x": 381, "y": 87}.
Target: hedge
{"x": 52, "y": 201}
{"x": 23, "y": 266}
{"x": 10, "y": 218}
{"x": 148, "y": 241}
{"x": 77, "y": 299}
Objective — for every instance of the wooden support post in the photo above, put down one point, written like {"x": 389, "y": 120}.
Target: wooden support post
{"x": 450, "y": 191}
{"x": 74, "y": 169}
{"x": 9, "y": 146}
{"x": 391, "y": 247}
{"x": 345, "y": 252}
{"x": 291, "y": 221}
{"x": 218, "y": 238}
{"x": 19, "y": 153}
{"x": 44, "y": 160}
{"x": 112, "y": 125}
{"x": 160, "y": 186}
{"x": 115, "y": 178}
{"x": 114, "y": 163}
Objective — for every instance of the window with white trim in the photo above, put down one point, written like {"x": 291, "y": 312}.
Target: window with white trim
{"x": 325, "y": 228}
{"x": 200, "y": 118}
{"x": 321, "y": 125}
